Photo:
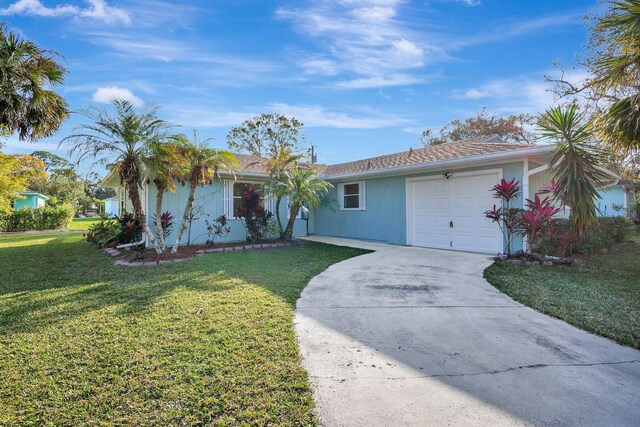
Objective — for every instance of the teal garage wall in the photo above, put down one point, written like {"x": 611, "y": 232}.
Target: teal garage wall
{"x": 384, "y": 219}
{"x": 209, "y": 202}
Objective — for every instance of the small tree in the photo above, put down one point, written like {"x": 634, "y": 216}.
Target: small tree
{"x": 507, "y": 217}
{"x": 124, "y": 141}
{"x": 301, "y": 186}
{"x": 267, "y": 135}
{"x": 575, "y": 165}
{"x": 203, "y": 165}
{"x": 512, "y": 129}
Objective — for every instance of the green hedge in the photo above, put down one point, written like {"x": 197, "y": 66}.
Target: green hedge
{"x": 45, "y": 218}
{"x": 601, "y": 234}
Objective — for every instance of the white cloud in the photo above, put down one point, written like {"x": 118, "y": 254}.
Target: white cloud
{"x": 96, "y": 9}
{"x": 108, "y": 94}
{"x": 310, "y": 115}
{"x": 511, "y": 95}
{"x": 522, "y": 94}
{"x": 367, "y": 41}
{"x": 507, "y": 31}
{"x": 379, "y": 81}
{"x": 317, "y": 116}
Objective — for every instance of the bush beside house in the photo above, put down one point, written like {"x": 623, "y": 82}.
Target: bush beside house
{"x": 43, "y": 218}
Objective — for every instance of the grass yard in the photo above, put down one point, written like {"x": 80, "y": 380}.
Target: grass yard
{"x": 207, "y": 341}
{"x": 82, "y": 224}
{"x": 603, "y": 297}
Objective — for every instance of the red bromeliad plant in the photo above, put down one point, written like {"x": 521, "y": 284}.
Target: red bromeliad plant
{"x": 506, "y": 190}
{"x": 505, "y": 216}
{"x": 535, "y": 222}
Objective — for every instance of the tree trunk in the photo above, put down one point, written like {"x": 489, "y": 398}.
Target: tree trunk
{"x": 288, "y": 233}
{"x": 159, "y": 226}
{"x": 185, "y": 216}
{"x": 278, "y": 200}
{"x": 134, "y": 195}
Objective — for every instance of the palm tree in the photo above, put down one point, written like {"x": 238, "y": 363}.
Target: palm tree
{"x": 575, "y": 165}
{"x": 616, "y": 67}
{"x": 281, "y": 162}
{"x": 204, "y": 163}
{"x": 301, "y": 186}
{"x": 28, "y": 106}
{"x": 165, "y": 167}
{"x": 125, "y": 141}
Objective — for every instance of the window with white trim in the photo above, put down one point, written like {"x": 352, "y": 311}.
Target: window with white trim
{"x": 352, "y": 196}
{"x": 233, "y": 195}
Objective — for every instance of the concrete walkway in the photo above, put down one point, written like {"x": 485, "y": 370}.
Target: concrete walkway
{"x": 410, "y": 336}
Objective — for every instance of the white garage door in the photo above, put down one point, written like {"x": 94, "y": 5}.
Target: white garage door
{"x": 449, "y": 213}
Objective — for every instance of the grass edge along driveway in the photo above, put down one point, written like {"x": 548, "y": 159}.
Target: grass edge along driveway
{"x": 603, "y": 297}
{"x": 207, "y": 341}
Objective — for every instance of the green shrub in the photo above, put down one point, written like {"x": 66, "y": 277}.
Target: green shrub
{"x": 44, "y": 218}
{"x": 104, "y": 233}
{"x": 601, "y": 234}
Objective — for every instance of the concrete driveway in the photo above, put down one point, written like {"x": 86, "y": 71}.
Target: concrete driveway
{"x": 409, "y": 336}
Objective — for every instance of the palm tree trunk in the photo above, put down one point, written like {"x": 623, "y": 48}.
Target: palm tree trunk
{"x": 185, "y": 216}
{"x": 278, "y": 200}
{"x": 288, "y": 233}
{"x": 159, "y": 226}
{"x": 134, "y": 195}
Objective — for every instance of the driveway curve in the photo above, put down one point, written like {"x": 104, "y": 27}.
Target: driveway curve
{"x": 411, "y": 336}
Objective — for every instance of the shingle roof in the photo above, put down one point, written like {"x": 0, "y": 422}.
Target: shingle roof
{"x": 447, "y": 151}
{"x": 255, "y": 164}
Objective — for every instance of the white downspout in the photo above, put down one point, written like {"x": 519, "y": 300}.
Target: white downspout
{"x": 525, "y": 194}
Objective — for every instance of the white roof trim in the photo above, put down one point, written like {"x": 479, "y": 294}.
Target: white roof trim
{"x": 440, "y": 164}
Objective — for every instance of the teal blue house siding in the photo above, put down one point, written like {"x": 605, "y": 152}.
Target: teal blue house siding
{"x": 30, "y": 201}
{"x": 384, "y": 218}
{"x": 208, "y": 205}
{"x": 613, "y": 199}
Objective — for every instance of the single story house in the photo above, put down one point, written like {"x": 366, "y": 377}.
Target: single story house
{"x": 432, "y": 197}
{"x": 30, "y": 199}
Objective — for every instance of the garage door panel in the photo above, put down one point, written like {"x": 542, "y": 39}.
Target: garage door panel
{"x": 461, "y": 200}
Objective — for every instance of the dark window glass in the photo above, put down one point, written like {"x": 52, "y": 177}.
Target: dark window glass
{"x": 352, "y": 202}
{"x": 350, "y": 189}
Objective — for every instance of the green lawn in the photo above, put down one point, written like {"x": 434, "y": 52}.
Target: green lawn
{"x": 207, "y": 341}
{"x": 82, "y": 224}
{"x": 603, "y": 297}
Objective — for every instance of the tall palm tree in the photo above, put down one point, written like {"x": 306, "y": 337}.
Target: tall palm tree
{"x": 301, "y": 186}
{"x": 281, "y": 162}
{"x": 575, "y": 165}
{"x": 125, "y": 141}
{"x": 28, "y": 105}
{"x": 165, "y": 166}
{"x": 204, "y": 163}
{"x": 616, "y": 67}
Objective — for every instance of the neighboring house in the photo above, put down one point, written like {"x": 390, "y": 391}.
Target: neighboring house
{"x": 432, "y": 197}
{"x": 31, "y": 200}
{"x": 112, "y": 207}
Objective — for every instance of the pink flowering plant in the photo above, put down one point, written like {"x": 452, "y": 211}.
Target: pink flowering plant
{"x": 506, "y": 216}
{"x": 535, "y": 222}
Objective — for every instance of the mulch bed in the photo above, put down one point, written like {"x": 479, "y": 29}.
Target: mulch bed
{"x": 577, "y": 260}
{"x": 148, "y": 257}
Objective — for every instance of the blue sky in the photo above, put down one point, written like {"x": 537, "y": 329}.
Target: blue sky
{"x": 365, "y": 76}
